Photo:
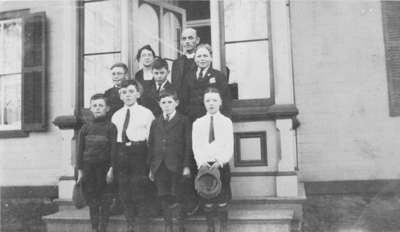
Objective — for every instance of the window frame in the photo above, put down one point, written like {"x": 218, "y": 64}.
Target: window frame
{"x": 241, "y": 106}
{"x": 16, "y": 133}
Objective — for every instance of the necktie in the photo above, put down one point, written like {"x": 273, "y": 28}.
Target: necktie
{"x": 126, "y": 123}
{"x": 167, "y": 117}
{"x": 211, "y": 136}
{"x": 158, "y": 89}
{"x": 201, "y": 73}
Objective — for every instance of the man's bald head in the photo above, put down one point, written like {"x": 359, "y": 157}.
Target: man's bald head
{"x": 189, "y": 40}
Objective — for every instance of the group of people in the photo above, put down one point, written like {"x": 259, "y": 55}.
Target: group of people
{"x": 151, "y": 137}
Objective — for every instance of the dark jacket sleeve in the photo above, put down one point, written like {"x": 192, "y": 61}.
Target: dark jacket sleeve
{"x": 151, "y": 142}
{"x": 113, "y": 144}
{"x": 81, "y": 146}
{"x": 188, "y": 159}
{"x": 226, "y": 95}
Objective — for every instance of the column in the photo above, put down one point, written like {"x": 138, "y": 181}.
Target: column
{"x": 68, "y": 74}
{"x": 287, "y": 182}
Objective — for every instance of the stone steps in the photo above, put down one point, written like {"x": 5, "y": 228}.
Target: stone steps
{"x": 240, "y": 220}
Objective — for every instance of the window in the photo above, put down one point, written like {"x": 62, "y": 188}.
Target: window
{"x": 247, "y": 47}
{"x": 22, "y": 73}
{"x": 391, "y": 29}
{"x": 108, "y": 35}
{"x": 102, "y": 45}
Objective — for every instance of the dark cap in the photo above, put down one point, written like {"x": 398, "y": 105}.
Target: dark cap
{"x": 208, "y": 183}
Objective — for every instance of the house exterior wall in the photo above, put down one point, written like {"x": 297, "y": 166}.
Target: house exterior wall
{"x": 341, "y": 91}
{"x": 38, "y": 159}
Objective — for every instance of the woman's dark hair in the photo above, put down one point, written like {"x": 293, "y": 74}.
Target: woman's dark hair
{"x": 145, "y": 47}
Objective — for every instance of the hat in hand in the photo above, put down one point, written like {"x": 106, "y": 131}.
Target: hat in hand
{"x": 208, "y": 182}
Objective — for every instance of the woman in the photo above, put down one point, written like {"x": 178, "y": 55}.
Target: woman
{"x": 145, "y": 57}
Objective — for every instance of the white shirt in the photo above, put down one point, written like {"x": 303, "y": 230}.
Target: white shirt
{"x": 170, "y": 116}
{"x": 203, "y": 73}
{"x": 139, "y": 122}
{"x": 221, "y": 149}
{"x": 162, "y": 85}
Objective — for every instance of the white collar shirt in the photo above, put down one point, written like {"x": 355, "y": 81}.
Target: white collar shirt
{"x": 170, "y": 116}
{"x": 139, "y": 122}
{"x": 221, "y": 149}
{"x": 203, "y": 72}
{"x": 190, "y": 56}
{"x": 162, "y": 86}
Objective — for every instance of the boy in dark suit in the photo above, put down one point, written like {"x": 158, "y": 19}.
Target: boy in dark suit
{"x": 153, "y": 88}
{"x": 170, "y": 156}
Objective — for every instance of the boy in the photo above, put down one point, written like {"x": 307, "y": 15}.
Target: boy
{"x": 170, "y": 157}
{"x": 213, "y": 148}
{"x": 153, "y": 88}
{"x": 133, "y": 123}
{"x": 119, "y": 72}
{"x": 96, "y": 146}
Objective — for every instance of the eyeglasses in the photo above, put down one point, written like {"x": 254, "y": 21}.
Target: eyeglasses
{"x": 124, "y": 91}
{"x": 117, "y": 73}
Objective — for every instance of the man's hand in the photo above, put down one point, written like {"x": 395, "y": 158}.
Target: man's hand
{"x": 110, "y": 176}
{"x": 80, "y": 176}
{"x": 186, "y": 172}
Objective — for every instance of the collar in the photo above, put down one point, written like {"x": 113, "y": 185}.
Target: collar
{"x": 132, "y": 107}
{"x": 205, "y": 70}
{"x": 190, "y": 56}
{"x": 170, "y": 116}
{"x": 100, "y": 119}
{"x": 162, "y": 85}
{"x": 216, "y": 115}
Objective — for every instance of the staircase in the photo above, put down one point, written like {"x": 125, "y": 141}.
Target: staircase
{"x": 272, "y": 214}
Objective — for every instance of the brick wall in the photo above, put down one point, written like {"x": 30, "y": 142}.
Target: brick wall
{"x": 341, "y": 92}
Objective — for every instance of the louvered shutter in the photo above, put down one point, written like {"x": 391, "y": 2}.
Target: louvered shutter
{"x": 391, "y": 29}
{"x": 34, "y": 83}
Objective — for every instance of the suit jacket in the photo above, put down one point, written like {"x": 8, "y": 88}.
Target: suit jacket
{"x": 150, "y": 96}
{"x": 193, "y": 91}
{"x": 113, "y": 100}
{"x": 170, "y": 142}
{"x": 179, "y": 69}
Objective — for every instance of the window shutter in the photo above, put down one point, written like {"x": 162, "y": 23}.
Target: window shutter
{"x": 34, "y": 83}
{"x": 391, "y": 29}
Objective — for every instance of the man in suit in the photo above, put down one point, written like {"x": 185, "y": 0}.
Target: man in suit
{"x": 170, "y": 156}
{"x": 153, "y": 88}
{"x": 185, "y": 62}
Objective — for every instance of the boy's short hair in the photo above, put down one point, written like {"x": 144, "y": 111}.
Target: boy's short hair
{"x": 145, "y": 47}
{"x": 160, "y": 63}
{"x": 206, "y": 46}
{"x": 212, "y": 90}
{"x": 120, "y": 65}
{"x": 168, "y": 93}
{"x": 99, "y": 96}
{"x": 138, "y": 86}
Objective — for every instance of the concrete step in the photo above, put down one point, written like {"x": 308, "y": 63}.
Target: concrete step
{"x": 240, "y": 220}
